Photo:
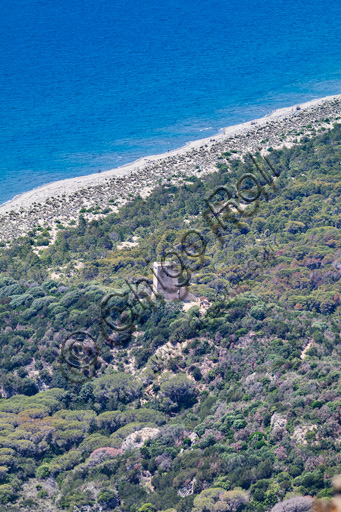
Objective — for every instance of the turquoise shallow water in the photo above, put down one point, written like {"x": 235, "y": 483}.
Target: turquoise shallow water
{"x": 92, "y": 84}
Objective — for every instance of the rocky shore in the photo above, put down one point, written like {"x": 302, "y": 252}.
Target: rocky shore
{"x": 64, "y": 200}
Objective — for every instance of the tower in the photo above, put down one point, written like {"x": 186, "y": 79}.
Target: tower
{"x": 163, "y": 282}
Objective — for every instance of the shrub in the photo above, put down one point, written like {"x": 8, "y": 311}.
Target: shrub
{"x": 147, "y": 507}
{"x": 43, "y": 471}
{"x": 107, "y": 498}
{"x": 7, "y": 493}
{"x": 42, "y": 494}
{"x": 118, "y": 387}
{"x": 258, "y": 312}
{"x": 179, "y": 392}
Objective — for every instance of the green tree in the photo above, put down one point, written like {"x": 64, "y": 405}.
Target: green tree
{"x": 178, "y": 392}
{"x": 147, "y": 507}
{"x": 109, "y": 390}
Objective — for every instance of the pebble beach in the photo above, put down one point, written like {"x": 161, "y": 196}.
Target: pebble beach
{"x": 64, "y": 200}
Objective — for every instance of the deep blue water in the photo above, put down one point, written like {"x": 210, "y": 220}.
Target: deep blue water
{"x": 93, "y": 84}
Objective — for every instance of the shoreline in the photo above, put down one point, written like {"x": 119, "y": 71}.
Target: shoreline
{"x": 63, "y": 199}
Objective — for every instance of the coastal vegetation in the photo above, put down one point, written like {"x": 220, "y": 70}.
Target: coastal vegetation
{"x": 241, "y": 411}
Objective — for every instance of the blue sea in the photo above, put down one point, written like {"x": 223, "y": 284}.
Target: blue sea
{"x": 90, "y": 85}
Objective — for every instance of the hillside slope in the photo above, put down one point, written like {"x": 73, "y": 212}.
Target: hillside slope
{"x": 233, "y": 404}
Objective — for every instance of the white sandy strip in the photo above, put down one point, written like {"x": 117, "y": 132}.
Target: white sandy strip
{"x": 71, "y": 185}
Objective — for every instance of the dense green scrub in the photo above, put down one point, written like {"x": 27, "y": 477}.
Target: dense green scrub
{"x": 249, "y": 408}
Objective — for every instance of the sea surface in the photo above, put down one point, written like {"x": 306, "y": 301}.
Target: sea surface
{"x": 88, "y": 85}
